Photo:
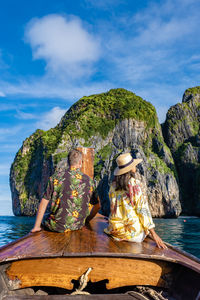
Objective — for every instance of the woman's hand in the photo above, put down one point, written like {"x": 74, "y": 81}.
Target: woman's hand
{"x": 157, "y": 239}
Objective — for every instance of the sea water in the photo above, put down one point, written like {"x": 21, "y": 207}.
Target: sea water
{"x": 183, "y": 232}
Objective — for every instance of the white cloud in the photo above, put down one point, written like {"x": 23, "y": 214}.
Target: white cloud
{"x": 51, "y": 118}
{"x": 160, "y": 32}
{"x": 6, "y": 133}
{"x": 24, "y": 116}
{"x": 10, "y": 131}
{"x": 104, "y": 4}
{"x": 154, "y": 53}
{"x": 63, "y": 43}
{"x": 46, "y": 87}
{"x": 155, "y": 46}
{"x": 9, "y": 148}
{"x": 2, "y": 94}
{"x": 7, "y": 107}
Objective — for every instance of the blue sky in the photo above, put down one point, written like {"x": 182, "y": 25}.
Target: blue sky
{"x": 54, "y": 52}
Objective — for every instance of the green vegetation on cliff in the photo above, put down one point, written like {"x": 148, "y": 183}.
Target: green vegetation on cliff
{"x": 92, "y": 115}
{"x": 183, "y": 122}
{"x": 182, "y": 132}
{"x": 89, "y": 120}
{"x": 193, "y": 91}
{"x": 37, "y": 148}
{"x": 100, "y": 113}
{"x": 47, "y": 141}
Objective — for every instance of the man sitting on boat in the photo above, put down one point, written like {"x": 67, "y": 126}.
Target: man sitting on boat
{"x": 130, "y": 218}
{"x": 71, "y": 193}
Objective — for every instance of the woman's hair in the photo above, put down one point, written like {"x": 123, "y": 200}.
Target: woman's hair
{"x": 122, "y": 181}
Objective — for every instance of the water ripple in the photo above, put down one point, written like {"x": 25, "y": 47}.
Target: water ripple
{"x": 183, "y": 232}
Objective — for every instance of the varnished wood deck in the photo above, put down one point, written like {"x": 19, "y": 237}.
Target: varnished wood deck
{"x": 54, "y": 259}
{"x": 87, "y": 242}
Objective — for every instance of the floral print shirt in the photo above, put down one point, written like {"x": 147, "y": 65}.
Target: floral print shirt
{"x": 72, "y": 195}
{"x": 130, "y": 217}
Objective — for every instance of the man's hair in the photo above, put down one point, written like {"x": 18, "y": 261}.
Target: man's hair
{"x": 74, "y": 157}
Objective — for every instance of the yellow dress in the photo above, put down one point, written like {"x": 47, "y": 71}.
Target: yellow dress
{"x": 130, "y": 217}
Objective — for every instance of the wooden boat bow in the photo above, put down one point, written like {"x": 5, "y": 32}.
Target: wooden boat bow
{"x": 90, "y": 241}
{"x": 54, "y": 259}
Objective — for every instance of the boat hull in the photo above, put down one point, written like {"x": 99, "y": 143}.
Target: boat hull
{"x": 57, "y": 260}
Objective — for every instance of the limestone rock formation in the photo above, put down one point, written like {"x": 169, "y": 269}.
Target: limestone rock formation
{"x": 112, "y": 123}
{"x": 182, "y": 135}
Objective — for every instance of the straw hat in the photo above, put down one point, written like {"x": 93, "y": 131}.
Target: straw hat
{"x": 125, "y": 163}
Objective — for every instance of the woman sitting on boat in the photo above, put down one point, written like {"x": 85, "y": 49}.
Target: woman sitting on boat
{"x": 130, "y": 218}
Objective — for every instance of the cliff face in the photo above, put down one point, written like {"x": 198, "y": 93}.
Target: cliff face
{"x": 182, "y": 135}
{"x": 112, "y": 123}
{"x": 29, "y": 174}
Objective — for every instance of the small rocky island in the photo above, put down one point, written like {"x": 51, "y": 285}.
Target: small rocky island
{"x": 114, "y": 122}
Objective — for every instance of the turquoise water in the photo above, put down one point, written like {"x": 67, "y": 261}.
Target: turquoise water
{"x": 183, "y": 232}
{"x": 12, "y": 228}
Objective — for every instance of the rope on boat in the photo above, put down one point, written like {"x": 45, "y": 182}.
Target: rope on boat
{"x": 82, "y": 283}
{"x": 135, "y": 294}
{"x": 143, "y": 292}
{"x": 150, "y": 292}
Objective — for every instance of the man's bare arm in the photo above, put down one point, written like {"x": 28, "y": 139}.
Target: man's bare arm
{"x": 40, "y": 214}
{"x": 93, "y": 212}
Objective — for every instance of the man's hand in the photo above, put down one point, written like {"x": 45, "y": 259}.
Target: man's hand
{"x": 93, "y": 212}
{"x": 157, "y": 239}
{"x": 36, "y": 229}
{"x": 40, "y": 214}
